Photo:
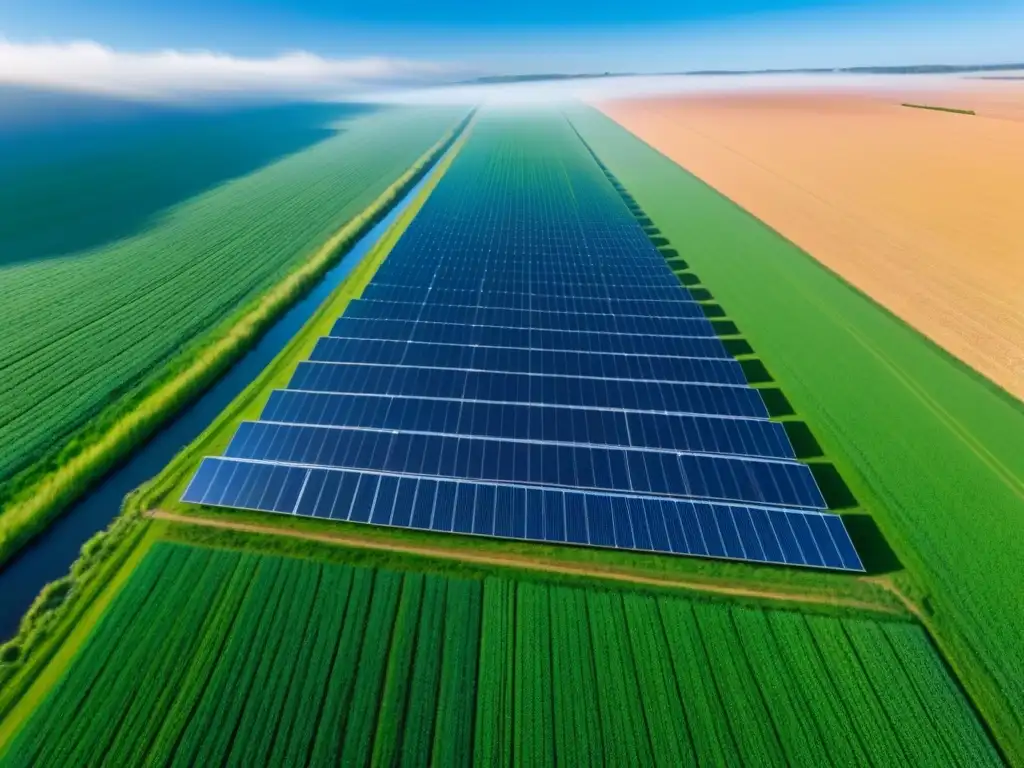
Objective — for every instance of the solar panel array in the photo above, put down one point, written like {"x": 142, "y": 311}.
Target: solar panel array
{"x": 525, "y": 365}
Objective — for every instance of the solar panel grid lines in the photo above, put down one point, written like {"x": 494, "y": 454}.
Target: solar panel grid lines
{"x": 697, "y": 325}
{"x": 674, "y": 473}
{"x": 707, "y": 345}
{"x": 566, "y": 434}
{"x": 340, "y": 349}
{"x": 722, "y": 416}
{"x": 537, "y": 303}
{"x": 639, "y": 523}
{"x": 730, "y": 434}
{"x": 525, "y": 365}
{"x": 553, "y": 291}
{"x": 472, "y": 369}
{"x": 553, "y": 389}
{"x": 521, "y": 360}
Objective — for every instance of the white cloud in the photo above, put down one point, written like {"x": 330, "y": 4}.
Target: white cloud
{"x": 171, "y": 74}
{"x": 597, "y": 89}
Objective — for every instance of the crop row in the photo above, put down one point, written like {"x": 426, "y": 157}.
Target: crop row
{"x": 216, "y": 657}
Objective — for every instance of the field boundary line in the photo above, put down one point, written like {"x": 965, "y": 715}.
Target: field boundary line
{"x": 1000, "y": 470}
{"x": 521, "y": 562}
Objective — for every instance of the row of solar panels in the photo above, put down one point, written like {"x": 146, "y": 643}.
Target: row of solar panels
{"x": 529, "y": 338}
{"x": 542, "y": 423}
{"x": 453, "y": 384}
{"x": 696, "y": 325}
{"x": 534, "y": 514}
{"x": 551, "y": 362}
{"x": 684, "y": 307}
{"x": 495, "y": 284}
{"x": 687, "y": 475}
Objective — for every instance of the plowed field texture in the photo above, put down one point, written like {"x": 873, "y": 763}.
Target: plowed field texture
{"x": 920, "y": 209}
{"x": 120, "y": 244}
{"x": 212, "y": 657}
{"x": 908, "y": 206}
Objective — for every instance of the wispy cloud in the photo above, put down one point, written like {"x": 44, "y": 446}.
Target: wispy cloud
{"x": 173, "y": 74}
{"x": 601, "y": 88}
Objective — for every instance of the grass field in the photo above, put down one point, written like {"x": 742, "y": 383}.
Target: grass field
{"x": 217, "y": 656}
{"x": 933, "y": 452}
{"x": 128, "y": 307}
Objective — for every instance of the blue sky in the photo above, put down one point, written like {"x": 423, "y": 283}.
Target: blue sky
{"x": 520, "y": 36}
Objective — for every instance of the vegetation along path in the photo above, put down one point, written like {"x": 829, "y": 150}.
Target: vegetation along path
{"x": 522, "y": 562}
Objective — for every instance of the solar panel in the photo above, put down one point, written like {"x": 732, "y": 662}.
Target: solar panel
{"x": 529, "y": 338}
{"x": 740, "y": 532}
{"x": 596, "y": 365}
{"x": 681, "y": 307}
{"x": 448, "y": 384}
{"x": 547, "y": 290}
{"x": 724, "y": 478}
{"x": 525, "y": 365}
{"x": 526, "y": 318}
{"x": 585, "y": 426}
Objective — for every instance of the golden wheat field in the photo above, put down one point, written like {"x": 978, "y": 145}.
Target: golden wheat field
{"x": 920, "y": 209}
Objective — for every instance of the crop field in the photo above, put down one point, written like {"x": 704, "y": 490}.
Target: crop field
{"x": 213, "y": 656}
{"x": 128, "y": 306}
{"x": 914, "y": 207}
{"x": 932, "y": 451}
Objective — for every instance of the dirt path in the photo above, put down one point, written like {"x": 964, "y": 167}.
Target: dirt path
{"x": 886, "y": 583}
{"x": 527, "y": 563}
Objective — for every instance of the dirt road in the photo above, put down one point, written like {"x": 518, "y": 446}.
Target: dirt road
{"x": 520, "y": 562}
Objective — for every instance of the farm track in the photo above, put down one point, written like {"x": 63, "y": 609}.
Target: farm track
{"x": 533, "y": 564}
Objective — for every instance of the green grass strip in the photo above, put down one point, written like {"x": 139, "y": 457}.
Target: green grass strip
{"x": 293, "y": 746}
{"x": 495, "y": 694}
{"x": 456, "y": 700}
{"x": 394, "y": 701}
{"x": 417, "y": 727}
{"x": 939, "y": 109}
{"x": 361, "y": 718}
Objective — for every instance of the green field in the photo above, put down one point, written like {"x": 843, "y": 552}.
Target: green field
{"x": 933, "y": 452}
{"x": 954, "y": 110}
{"x": 214, "y": 656}
{"x": 84, "y": 327}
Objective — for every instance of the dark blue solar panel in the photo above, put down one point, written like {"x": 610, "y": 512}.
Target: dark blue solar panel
{"x": 726, "y": 478}
{"x": 681, "y": 306}
{"x": 493, "y": 336}
{"x": 700, "y": 434}
{"x": 330, "y": 349}
{"x": 454, "y": 384}
{"x": 536, "y": 514}
{"x": 521, "y": 318}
